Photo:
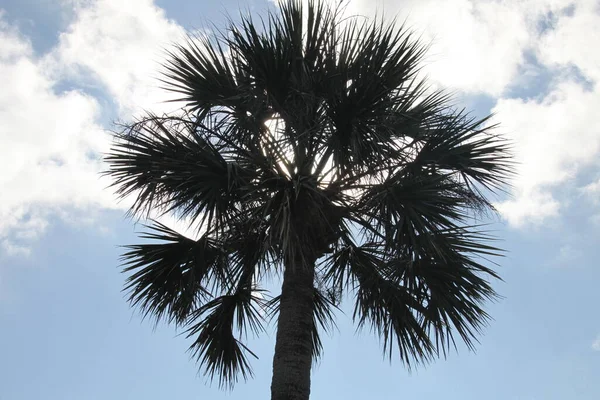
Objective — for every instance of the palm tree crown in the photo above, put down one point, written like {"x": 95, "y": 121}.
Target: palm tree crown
{"x": 308, "y": 149}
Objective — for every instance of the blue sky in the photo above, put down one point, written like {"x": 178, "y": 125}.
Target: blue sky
{"x": 70, "y": 67}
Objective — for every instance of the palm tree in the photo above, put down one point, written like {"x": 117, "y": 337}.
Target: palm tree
{"x": 309, "y": 151}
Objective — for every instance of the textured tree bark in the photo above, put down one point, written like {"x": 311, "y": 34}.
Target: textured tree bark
{"x": 293, "y": 359}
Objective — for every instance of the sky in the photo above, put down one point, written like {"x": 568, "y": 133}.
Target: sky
{"x": 70, "y": 68}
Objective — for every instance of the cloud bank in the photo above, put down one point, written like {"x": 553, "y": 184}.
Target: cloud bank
{"x": 52, "y": 138}
{"x": 532, "y": 58}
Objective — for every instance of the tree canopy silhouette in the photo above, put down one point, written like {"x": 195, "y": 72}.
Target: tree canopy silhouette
{"x": 309, "y": 151}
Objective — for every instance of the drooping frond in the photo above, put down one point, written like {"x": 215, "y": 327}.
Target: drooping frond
{"x": 390, "y": 309}
{"x": 323, "y": 319}
{"x": 215, "y": 344}
{"x": 179, "y": 278}
{"x": 169, "y": 279}
{"x": 219, "y": 325}
{"x": 453, "y": 286}
{"x": 414, "y": 303}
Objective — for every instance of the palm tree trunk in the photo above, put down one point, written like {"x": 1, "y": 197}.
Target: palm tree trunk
{"x": 293, "y": 354}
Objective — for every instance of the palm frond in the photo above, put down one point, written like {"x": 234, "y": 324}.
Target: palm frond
{"x": 168, "y": 165}
{"x": 168, "y": 279}
{"x": 415, "y": 300}
{"x": 468, "y": 147}
{"x": 323, "y": 317}
{"x": 214, "y": 325}
{"x": 376, "y": 64}
{"x": 203, "y": 74}
{"x": 215, "y": 345}
{"x": 390, "y": 309}
{"x": 424, "y": 201}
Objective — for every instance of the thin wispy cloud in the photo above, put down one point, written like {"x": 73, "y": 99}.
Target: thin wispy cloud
{"x": 596, "y": 344}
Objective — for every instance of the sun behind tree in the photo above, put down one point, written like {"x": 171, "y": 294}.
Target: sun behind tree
{"x": 308, "y": 151}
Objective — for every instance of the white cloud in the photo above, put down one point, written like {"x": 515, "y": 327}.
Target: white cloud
{"x": 15, "y": 250}
{"x": 569, "y": 255}
{"x": 51, "y": 140}
{"x": 479, "y": 47}
{"x": 592, "y": 191}
{"x": 46, "y": 139}
{"x": 554, "y": 139}
{"x": 12, "y": 47}
{"x": 121, "y": 43}
{"x": 571, "y": 41}
{"x": 472, "y": 49}
{"x": 557, "y": 137}
{"x": 529, "y": 206}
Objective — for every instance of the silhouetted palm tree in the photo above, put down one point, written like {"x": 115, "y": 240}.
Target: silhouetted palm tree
{"x": 308, "y": 151}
